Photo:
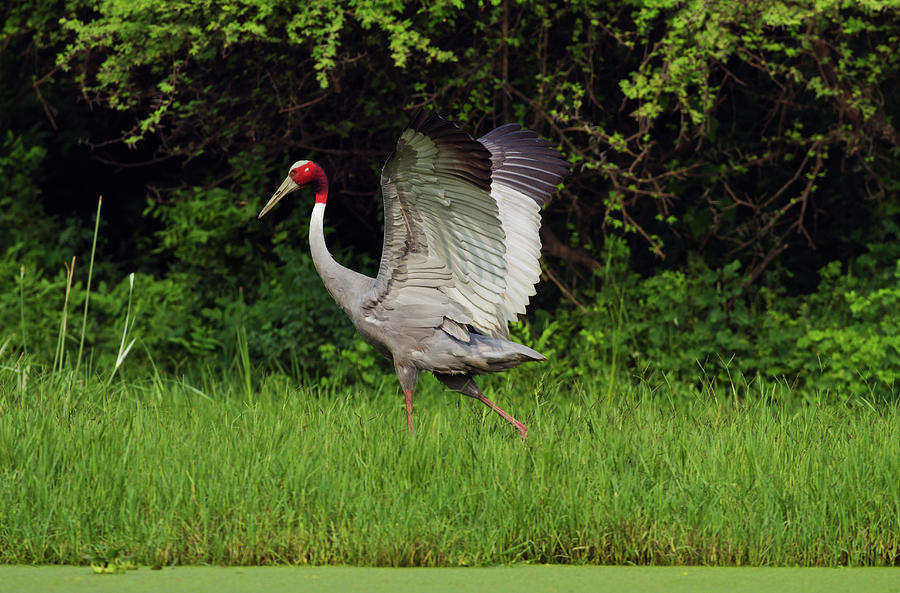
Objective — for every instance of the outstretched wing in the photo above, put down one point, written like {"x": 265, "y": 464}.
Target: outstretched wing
{"x": 525, "y": 170}
{"x": 460, "y": 248}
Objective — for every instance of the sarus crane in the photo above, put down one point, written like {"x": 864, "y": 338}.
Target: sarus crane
{"x": 460, "y": 254}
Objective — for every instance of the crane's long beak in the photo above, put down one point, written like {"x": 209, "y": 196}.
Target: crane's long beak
{"x": 287, "y": 186}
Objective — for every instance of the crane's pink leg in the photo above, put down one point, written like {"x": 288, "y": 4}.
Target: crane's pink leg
{"x": 523, "y": 431}
{"x": 407, "y": 374}
{"x": 466, "y": 385}
{"x": 408, "y": 395}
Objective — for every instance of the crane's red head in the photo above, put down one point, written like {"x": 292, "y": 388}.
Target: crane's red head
{"x": 301, "y": 173}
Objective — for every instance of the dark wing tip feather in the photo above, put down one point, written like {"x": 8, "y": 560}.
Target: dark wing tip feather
{"x": 419, "y": 118}
{"x": 525, "y": 161}
{"x": 475, "y": 160}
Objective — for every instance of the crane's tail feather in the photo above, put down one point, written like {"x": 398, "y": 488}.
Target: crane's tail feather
{"x": 497, "y": 354}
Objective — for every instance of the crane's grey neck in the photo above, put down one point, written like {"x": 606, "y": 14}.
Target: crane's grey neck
{"x": 344, "y": 285}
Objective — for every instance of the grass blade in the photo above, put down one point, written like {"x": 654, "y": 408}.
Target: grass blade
{"x": 87, "y": 295}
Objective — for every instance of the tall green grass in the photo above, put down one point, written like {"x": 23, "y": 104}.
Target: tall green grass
{"x": 167, "y": 471}
{"x": 241, "y": 467}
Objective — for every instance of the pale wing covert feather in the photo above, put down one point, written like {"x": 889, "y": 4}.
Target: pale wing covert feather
{"x": 443, "y": 226}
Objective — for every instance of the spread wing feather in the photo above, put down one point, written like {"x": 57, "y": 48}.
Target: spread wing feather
{"x": 525, "y": 171}
{"x": 461, "y": 243}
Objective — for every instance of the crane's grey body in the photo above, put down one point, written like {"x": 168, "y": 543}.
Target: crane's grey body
{"x": 449, "y": 348}
{"x": 460, "y": 254}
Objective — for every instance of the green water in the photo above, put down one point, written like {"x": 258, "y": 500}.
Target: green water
{"x": 521, "y": 579}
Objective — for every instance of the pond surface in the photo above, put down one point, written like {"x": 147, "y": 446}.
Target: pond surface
{"x": 515, "y": 579}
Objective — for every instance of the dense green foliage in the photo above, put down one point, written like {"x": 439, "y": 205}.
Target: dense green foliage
{"x": 693, "y": 325}
{"x": 166, "y": 472}
{"x": 733, "y": 206}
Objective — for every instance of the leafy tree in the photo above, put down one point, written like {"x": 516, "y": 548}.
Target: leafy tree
{"x": 714, "y": 126}
{"x": 741, "y": 144}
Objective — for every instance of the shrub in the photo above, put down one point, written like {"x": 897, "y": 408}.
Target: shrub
{"x": 698, "y": 325}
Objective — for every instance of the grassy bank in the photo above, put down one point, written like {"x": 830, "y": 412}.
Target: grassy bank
{"x": 164, "y": 471}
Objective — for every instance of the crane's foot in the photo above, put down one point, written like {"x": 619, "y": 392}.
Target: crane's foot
{"x": 407, "y": 393}
{"x": 523, "y": 431}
